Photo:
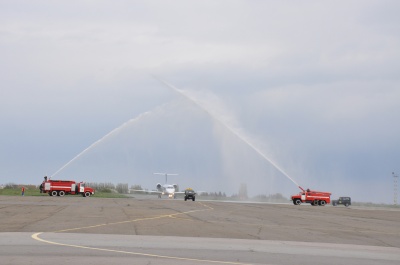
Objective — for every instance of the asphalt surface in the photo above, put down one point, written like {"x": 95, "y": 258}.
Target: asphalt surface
{"x": 147, "y": 230}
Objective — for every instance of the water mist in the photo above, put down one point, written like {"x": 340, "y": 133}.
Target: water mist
{"x": 232, "y": 130}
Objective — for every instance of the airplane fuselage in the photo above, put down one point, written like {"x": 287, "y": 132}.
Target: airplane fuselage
{"x": 167, "y": 189}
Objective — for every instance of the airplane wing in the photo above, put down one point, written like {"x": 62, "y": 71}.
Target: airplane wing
{"x": 146, "y": 191}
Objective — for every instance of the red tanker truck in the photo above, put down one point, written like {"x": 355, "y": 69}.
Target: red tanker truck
{"x": 63, "y": 187}
{"x": 311, "y": 196}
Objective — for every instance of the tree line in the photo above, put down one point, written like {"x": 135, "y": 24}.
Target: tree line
{"x": 109, "y": 187}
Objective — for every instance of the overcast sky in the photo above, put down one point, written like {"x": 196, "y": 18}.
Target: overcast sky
{"x": 313, "y": 85}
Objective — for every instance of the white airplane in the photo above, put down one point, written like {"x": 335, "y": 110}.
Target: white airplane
{"x": 169, "y": 190}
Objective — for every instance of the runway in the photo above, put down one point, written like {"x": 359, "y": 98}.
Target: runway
{"x": 48, "y": 230}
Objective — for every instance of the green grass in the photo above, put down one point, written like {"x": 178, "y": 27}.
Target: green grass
{"x": 17, "y": 192}
{"x": 109, "y": 195}
{"x": 36, "y": 192}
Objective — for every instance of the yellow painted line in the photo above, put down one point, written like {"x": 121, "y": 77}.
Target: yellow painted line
{"x": 115, "y": 223}
{"x": 181, "y": 218}
{"x": 205, "y": 205}
{"x": 36, "y": 237}
{"x": 129, "y": 221}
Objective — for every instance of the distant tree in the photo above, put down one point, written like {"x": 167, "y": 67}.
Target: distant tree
{"x": 102, "y": 187}
{"x": 136, "y": 187}
{"x": 260, "y": 197}
{"x": 122, "y": 188}
{"x": 11, "y": 186}
{"x": 276, "y": 197}
{"x": 271, "y": 198}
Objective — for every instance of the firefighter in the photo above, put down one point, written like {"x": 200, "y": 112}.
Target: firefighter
{"x": 23, "y": 190}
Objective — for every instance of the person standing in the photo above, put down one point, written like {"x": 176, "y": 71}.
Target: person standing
{"x": 23, "y": 190}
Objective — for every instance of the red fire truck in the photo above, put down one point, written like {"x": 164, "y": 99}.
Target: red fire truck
{"x": 63, "y": 187}
{"x": 311, "y": 196}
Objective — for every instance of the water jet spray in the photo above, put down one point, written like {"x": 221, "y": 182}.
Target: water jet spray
{"x": 140, "y": 116}
{"x": 229, "y": 128}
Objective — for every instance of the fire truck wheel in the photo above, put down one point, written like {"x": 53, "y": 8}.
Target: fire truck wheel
{"x": 54, "y": 193}
{"x": 315, "y": 203}
{"x": 297, "y": 201}
{"x": 87, "y": 194}
{"x": 61, "y": 193}
{"x": 346, "y": 204}
{"x": 322, "y": 203}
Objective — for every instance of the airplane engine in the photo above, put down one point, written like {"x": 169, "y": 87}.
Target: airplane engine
{"x": 159, "y": 187}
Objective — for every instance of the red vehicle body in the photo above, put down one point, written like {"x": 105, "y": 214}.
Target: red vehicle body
{"x": 311, "y": 196}
{"x": 63, "y": 187}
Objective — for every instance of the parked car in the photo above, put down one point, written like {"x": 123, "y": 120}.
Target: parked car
{"x": 346, "y": 201}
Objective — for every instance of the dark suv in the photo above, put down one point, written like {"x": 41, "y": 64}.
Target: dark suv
{"x": 190, "y": 194}
{"x": 346, "y": 201}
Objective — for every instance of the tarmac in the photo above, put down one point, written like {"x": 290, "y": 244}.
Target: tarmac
{"x": 147, "y": 230}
